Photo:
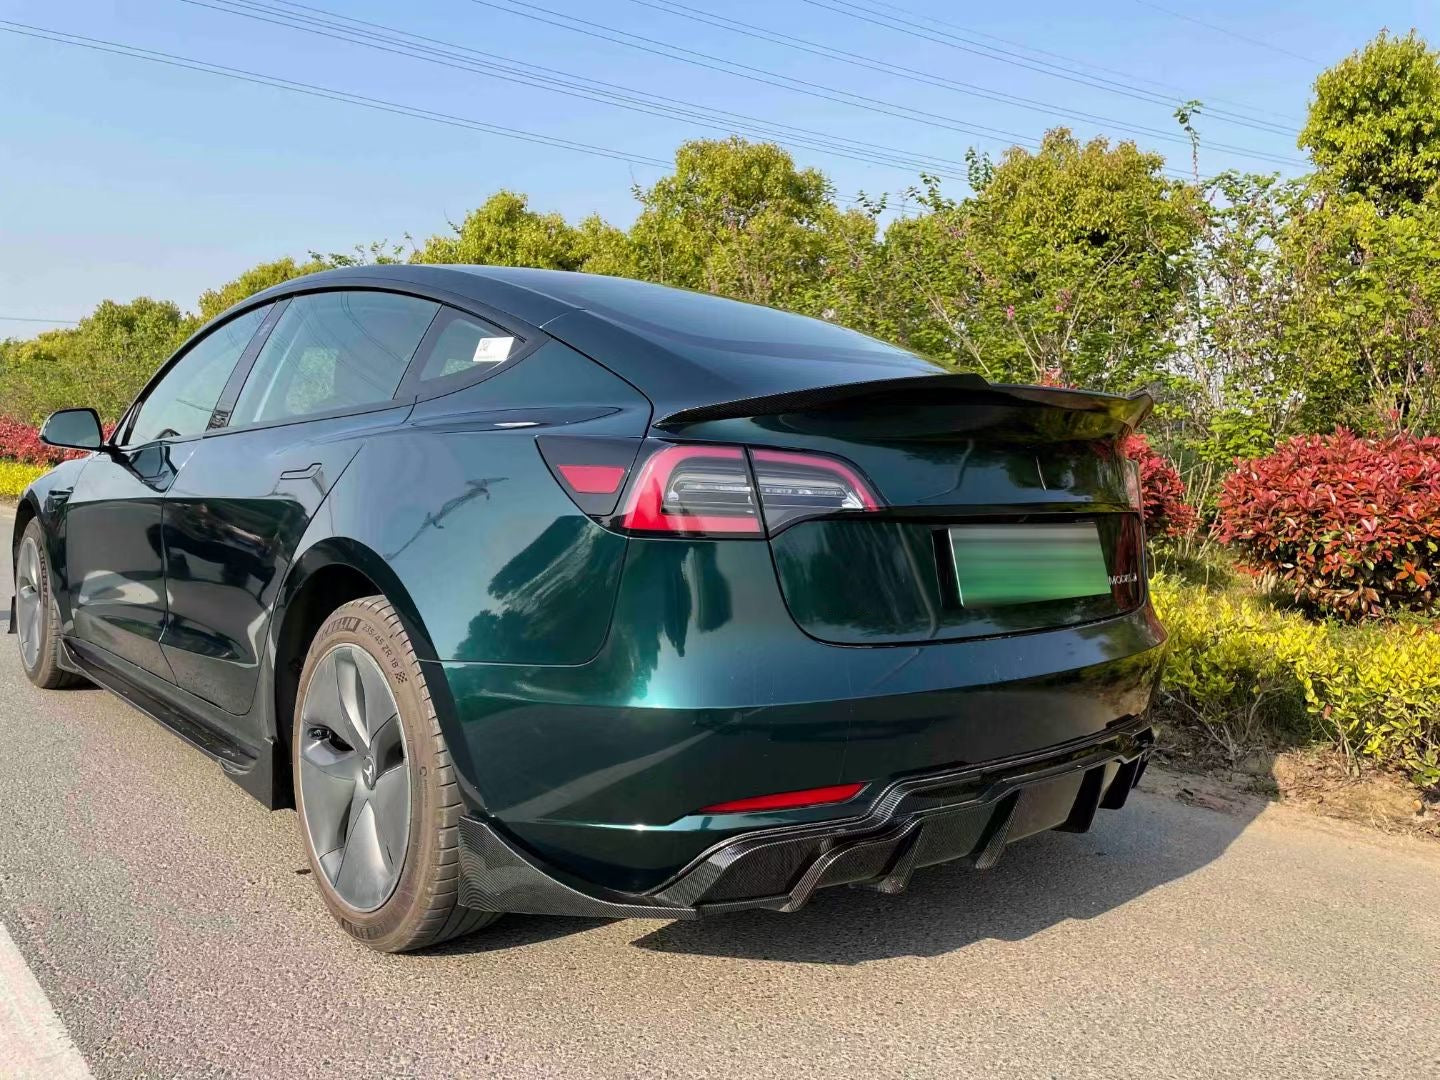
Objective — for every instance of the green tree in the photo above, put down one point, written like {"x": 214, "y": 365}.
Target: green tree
{"x": 739, "y": 219}
{"x": 1362, "y": 246}
{"x": 1069, "y": 263}
{"x": 1374, "y": 125}
{"x": 1238, "y": 353}
{"x": 102, "y": 362}
{"x": 504, "y": 231}
{"x": 256, "y": 279}
{"x": 1366, "y": 316}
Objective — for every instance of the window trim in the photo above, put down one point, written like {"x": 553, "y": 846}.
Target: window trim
{"x": 120, "y": 435}
{"x": 225, "y": 404}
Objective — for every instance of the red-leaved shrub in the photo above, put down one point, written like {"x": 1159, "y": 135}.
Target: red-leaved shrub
{"x": 1350, "y": 525}
{"x": 1163, "y": 492}
{"x": 21, "y": 442}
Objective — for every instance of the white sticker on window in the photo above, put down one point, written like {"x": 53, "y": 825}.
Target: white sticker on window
{"x": 492, "y": 350}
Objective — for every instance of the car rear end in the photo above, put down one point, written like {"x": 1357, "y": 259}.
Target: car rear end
{"x": 860, "y": 629}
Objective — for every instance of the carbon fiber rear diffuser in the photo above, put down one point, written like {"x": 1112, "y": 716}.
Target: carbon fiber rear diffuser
{"x": 961, "y": 814}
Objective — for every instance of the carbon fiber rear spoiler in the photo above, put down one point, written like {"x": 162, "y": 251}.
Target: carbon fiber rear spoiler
{"x": 1106, "y": 414}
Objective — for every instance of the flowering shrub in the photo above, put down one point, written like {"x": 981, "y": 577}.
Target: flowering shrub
{"x": 1163, "y": 492}
{"x": 1249, "y": 674}
{"x": 21, "y": 442}
{"x": 15, "y": 478}
{"x": 1350, "y": 526}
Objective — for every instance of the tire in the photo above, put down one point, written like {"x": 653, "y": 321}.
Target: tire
{"x": 392, "y": 886}
{"x": 37, "y": 620}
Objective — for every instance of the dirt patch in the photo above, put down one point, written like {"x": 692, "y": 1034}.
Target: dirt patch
{"x": 1317, "y": 779}
{"x": 1311, "y": 778}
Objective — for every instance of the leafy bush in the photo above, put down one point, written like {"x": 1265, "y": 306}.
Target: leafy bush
{"x": 101, "y": 362}
{"x": 16, "y": 477}
{"x": 1167, "y": 514}
{"x": 1349, "y": 526}
{"x": 1206, "y": 565}
{"x": 1250, "y": 674}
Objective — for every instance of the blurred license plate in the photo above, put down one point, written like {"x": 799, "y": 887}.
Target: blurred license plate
{"x": 1001, "y": 565}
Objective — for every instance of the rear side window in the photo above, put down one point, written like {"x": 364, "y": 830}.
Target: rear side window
{"x": 333, "y": 351}
{"x": 464, "y": 345}
{"x": 179, "y": 405}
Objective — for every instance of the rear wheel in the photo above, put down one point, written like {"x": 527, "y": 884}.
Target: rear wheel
{"x": 375, "y": 786}
{"x": 37, "y": 623}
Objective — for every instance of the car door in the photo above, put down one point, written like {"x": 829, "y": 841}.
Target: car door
{"x": 322, "y": 385}
{"x": 114, "y": 555}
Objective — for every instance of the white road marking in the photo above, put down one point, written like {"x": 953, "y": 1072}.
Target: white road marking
{"x": 34, "y": 1044}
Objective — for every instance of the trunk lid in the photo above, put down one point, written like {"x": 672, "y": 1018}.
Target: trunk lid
{"x": 1005, "y": 508}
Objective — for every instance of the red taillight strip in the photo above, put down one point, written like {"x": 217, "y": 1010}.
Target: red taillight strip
{"x": 823, "y": 464}
{"x": 593, "y": 479}
{"x": 644, "y": 509}
{"x": 788, "y": 800}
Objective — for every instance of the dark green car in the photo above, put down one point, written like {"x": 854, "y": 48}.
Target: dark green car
{"x": 557, "y": 593}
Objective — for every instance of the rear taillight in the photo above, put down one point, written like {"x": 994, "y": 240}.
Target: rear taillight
{"x": 794, "y": 486}
{"x": 704, "y": 490}
{"x": 692, "y": 491}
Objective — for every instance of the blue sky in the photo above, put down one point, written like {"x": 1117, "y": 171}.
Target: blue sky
{"x": 121, "y": 178}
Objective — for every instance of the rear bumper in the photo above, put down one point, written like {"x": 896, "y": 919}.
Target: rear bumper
{"x": 968, "y": 813}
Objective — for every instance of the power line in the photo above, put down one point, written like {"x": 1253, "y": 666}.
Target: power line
{"x": 505, "y": 68}
{"x": 344, "y": 96}
{"x": 671, "y": 7}
{"x": 761, "y": 75}
{"x": 378, "y": 104}
{"x": 1257, "y": 42}
{"x": 32, "y": 319}
{"x": 1180, "y": 93}
{"x": 928, "y": 32}
{"x": 570, "y": 85}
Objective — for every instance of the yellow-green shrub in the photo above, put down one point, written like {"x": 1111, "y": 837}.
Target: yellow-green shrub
{"x": 15, "y": 477}
{"x": 1247, "y": 671}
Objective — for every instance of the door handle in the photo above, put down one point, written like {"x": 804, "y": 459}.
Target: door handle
{"x": 301, "y": 474}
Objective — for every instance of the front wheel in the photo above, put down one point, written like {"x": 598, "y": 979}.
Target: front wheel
{"x": 37, "y": 623}
{"x": 375, "y": 786}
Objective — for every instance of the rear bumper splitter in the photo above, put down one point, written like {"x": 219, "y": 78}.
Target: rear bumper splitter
{"x": 967, "y": 813}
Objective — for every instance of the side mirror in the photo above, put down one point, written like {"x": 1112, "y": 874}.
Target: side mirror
{"x": 74, "y": 429}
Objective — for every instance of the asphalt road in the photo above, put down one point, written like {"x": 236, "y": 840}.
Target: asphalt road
{"x": 165, "y": 916}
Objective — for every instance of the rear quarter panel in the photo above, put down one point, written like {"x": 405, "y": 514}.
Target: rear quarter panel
{"x": 499, "y": 564}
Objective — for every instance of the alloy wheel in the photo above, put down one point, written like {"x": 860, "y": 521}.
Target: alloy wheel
{"x": 354, "y": 777}
{"x": 29, "y": 602}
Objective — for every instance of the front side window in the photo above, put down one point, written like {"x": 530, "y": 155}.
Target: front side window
{"x": 333, "y": 351}
{"x": 180, "y": 404}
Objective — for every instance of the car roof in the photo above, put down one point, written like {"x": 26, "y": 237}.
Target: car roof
{"x": 682, "y": 348}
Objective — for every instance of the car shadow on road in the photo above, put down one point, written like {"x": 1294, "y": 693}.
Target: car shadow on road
{"x": 1041, "y": 882}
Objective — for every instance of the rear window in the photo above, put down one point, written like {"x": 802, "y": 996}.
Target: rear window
{"x": 727, "y": 335}
{"x": 464, "y": 345}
